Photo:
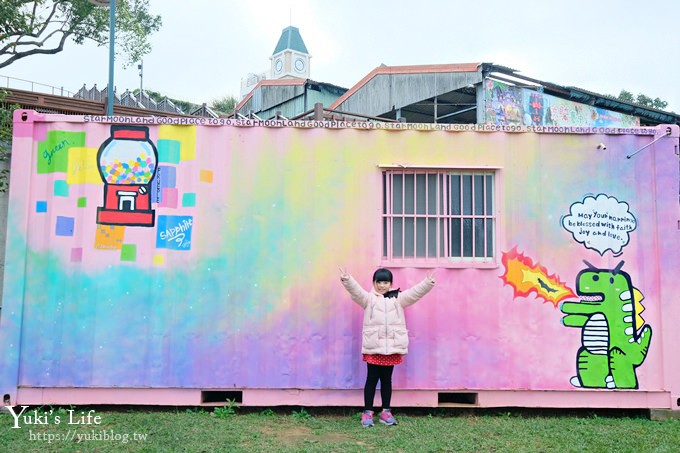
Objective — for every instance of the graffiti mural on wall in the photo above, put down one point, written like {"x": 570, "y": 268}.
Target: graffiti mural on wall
{"x": 525, "y": 278}
{"x": 138, "y": 178}
{"x": 614, "y": 337}
{"x": 248, "y": 221}
{"x": 512, "y": 105}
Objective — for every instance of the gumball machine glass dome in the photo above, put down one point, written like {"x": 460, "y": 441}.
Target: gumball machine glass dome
{"x": 127, "y": 162}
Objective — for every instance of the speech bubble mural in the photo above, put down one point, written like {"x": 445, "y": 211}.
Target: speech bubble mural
{"x": 600, "y": 223}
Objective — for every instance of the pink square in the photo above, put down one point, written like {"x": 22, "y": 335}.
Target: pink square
{"x": 23, "y": 129}
{"x": 169, "y": 198}
{"x": 77, "y": 254}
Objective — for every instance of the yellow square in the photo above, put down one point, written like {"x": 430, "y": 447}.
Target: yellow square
{"x": 185, "y": 135}
{"x": 158, "y": 260}
{"x": 82, "y": 166}
{"x": 206, "y": 176}
{"x": 109, "y": 237}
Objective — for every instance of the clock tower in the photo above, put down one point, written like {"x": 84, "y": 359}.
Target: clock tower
{"x": 290, "y": 57}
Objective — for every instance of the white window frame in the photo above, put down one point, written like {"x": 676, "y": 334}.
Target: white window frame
{"x": 437, "y": 252}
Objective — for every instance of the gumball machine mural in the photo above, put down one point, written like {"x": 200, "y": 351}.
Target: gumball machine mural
{"x": 127, "y": 163}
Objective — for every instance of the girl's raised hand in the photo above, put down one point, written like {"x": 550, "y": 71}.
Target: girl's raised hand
{"x": 344, "y": 275}
{"x": 430, "y": 275}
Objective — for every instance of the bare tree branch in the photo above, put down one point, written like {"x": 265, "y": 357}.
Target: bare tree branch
{"x": 48, "y": 19}
{"x": 34, "y": 15}
{"x": 39, "y": 51}
{"x": 41, "y": 42}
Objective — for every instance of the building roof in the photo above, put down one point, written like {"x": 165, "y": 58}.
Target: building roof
{"x": 290, "y": 39}
{"x": 447, "y": 93}
{"x": 418, "y": 69}
{"x": 441, "y": 93}
{"x": 291, "y": 81}
{"x": 288, "y": 97}
{"x": 647, "y": 115}
{"x": 416, "y": 93}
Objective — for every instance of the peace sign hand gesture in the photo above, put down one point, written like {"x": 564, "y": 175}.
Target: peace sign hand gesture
{"x": 430, "y": 276}
{"x": 344, "y": 275}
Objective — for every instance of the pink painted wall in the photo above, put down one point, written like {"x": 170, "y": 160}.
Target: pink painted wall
{"x": 234, "y": 283}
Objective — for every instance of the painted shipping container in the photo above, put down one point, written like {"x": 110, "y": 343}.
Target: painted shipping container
{"x": 186, "y": 261}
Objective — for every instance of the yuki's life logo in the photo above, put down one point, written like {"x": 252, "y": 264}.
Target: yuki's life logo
{"x": 35, "y": 417}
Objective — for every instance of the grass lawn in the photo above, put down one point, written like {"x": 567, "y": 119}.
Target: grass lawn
{"x": 230, "y": 428}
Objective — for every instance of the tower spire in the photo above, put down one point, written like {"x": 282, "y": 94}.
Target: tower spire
{"x": 290, "y": 57}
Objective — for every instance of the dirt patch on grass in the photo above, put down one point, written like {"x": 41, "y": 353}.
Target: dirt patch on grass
{"x": 294, "y": 435}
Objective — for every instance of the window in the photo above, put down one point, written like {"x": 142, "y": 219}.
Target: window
{"x": 442, "y": 217}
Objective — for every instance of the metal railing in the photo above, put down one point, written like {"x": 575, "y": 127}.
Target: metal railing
{"x": 319, "y": 113}
{"x": 29, "y": 85}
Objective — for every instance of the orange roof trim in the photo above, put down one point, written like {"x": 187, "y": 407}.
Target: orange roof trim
{"x": 415, "y": 69}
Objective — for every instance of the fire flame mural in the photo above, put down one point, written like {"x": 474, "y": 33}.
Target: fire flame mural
{"x": 525, "y": 277}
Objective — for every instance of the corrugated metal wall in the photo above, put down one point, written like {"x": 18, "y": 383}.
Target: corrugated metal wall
{"x": 234, "y": 283}
{"x": 289, "y": 101}
{"x": 385, "y": 91}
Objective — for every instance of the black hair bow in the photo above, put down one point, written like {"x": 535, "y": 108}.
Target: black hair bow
{"x": 392, "y": 293}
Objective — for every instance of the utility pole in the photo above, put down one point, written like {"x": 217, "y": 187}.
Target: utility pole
{"x": 140, "y": 66}
{"x": 112, "y": 34}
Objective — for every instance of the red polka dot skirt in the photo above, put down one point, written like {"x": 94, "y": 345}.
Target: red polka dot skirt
{"x": 384, "y": 360}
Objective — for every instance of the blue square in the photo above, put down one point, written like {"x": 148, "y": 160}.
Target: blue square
{"x": 165, "y": 178}
{"x": 174, "y": 232}
{"x": 168, "y": 151}
{"x": 40, "y": 206}
{"x": 60, "y": 188}
{"x": 168, "y": 176}
{"x": 64, "y": 226}
{"x": 189, "y": 200}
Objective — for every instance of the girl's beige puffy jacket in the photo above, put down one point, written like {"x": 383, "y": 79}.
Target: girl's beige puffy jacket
{"x": 384, "y": 330}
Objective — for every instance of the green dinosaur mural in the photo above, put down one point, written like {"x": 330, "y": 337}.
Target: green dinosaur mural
{"x": 614, "y": 338}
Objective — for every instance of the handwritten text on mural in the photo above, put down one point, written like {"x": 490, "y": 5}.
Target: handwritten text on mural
{"x": 371, "y": 125}
{"x": 174, "y": 232}
{"x": 600, "y": 223}
{"x": 50, "y": 154}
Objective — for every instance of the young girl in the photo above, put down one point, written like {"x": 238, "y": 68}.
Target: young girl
{"x": 384, "y": 338}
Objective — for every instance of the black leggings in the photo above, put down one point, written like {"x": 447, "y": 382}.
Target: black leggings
{"x": 384, "y": 375}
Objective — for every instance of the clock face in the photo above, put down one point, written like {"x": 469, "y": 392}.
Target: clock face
{"x": 278, "y": 65}
{"x": 299, "y": 65}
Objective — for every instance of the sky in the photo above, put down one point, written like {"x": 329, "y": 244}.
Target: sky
{"x": 205, "y": 47}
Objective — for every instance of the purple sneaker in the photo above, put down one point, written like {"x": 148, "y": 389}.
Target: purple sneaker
{"x": 367, "y": 419}
{"x": 387, "y": 418}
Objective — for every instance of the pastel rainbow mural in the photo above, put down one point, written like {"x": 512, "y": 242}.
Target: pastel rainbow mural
{"x": 197, "y": 257}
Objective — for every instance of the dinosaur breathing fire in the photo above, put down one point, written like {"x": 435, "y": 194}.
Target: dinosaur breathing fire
{"x": 526, "y": 277}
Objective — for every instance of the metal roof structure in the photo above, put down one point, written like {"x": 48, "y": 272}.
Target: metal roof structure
{"x": 288, "y": 97}
{"x": 452, "y": 93}
{"x": 419, "y": 94}
{"x": 290, "y": 39}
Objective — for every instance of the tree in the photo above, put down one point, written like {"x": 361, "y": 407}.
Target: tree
{"x": 225, "y": 104}
{"x": 626, "y": 96}
{"x": 34, "y": 27}
{"x": 641, "y": 99}
{"x": 5, "y": 139}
